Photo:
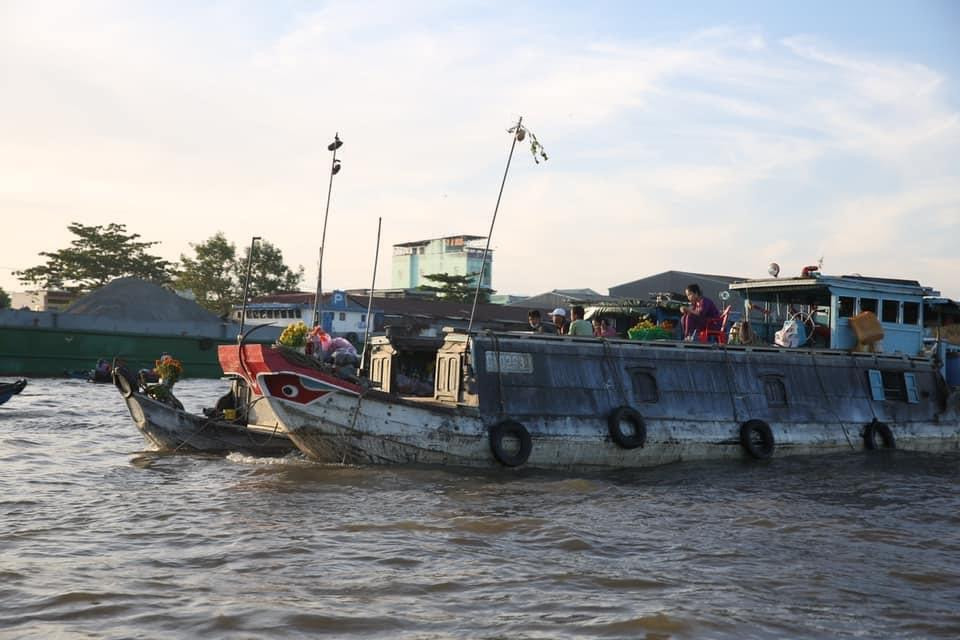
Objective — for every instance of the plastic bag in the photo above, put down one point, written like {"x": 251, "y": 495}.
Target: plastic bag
{"x": 792, "y": 335}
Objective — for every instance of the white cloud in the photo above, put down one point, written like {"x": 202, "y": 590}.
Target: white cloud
{"x": 716, "y": 152}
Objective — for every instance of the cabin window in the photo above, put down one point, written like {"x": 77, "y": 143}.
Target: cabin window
{"x": 868, "y": 304}
{"x": 775, "y": 391}
{"x": 892, "y": 385}
{"x": 911, "y": 313}
{"x": 891, "y": 310}
{"x": 845, "y": 305}
{"x": 644, "y": 386}
{"x": 343, "y": 316}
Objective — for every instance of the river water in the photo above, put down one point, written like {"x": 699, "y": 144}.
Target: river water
{"x": 102, "y": 539}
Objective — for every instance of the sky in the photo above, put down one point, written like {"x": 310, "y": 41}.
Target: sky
{"x": 711, "y": 137}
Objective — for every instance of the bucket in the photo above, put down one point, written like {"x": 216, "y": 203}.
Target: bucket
{"x": 953, "y": 368}
{"x": 229, "y": 414}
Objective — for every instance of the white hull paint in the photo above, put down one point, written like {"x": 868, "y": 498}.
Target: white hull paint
{"x": 343, "y": 428}
{"x": 174, "y": 430}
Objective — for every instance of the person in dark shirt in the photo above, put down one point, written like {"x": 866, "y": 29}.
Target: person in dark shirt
{"x": 536, "y": 326}
{"x": 695, "y": 316}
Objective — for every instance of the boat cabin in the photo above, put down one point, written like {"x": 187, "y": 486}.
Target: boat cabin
{"x": 831, "y": 305}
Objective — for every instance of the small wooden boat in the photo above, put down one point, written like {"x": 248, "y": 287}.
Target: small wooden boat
{"x": 10, "y": 389}
{"x": 163, "y": 422}
{"x": 90, "y": 375}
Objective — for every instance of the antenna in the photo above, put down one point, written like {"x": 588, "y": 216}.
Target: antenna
{"x": 334, "y": 170}
{"x": 246, "y": 289}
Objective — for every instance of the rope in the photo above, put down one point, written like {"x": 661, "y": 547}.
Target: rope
{"x": 733, "y": 387}
{"x": 496, "y": 348}
{"x": 856, "y": 365}
{"x": 823, "y": 390}
{"x": 613, "y": 370}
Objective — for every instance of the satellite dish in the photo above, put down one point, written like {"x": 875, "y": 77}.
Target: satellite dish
{"x": 724, "y": 295}
{"x": 773, "y": 269}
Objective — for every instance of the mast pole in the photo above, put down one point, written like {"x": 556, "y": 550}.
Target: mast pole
{"x": 486, "y": 248}
{"x": 246, "y": 288}
{"x": 366, "y": 332}
{"x": 334, "y": 169}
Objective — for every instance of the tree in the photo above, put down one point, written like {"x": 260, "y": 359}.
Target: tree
{"x": 268, "y": 273}
{"x": 215, "y": 274}
{"x": 4, "y": 300}
{"x": 98, "y": 255}
{"x": 210, "y": 275}
{"x": 456, "y": 288}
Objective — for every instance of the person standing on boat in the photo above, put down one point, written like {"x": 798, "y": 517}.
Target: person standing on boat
{"x": 560, "y": 323}
{"x": 536, "y": 326}
{"x": 579, "y": 326}
{"x": 694, "y": 317}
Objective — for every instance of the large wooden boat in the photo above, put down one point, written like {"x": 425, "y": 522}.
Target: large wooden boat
{"x": 511, "y": 399}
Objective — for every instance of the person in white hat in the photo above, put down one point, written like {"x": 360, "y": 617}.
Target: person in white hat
{"x": 560, "y": 320}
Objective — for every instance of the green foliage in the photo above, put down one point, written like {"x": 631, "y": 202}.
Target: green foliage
{"x": 98, "y": 255}
{"x": 210, "y": 275}
{"x": 4, "y": 300}
{"x": 268, "y": 273}
{"x": 215, "y": 274}
{"x": 456, "y": 288}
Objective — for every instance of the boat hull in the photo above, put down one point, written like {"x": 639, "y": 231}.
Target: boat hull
{"x": 10, "y": 389}
{"x": 374, "y": 430}
{"x": 691, "y": 402}
{"x": 169, "y": 429}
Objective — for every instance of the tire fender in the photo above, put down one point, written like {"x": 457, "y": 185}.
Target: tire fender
{"x": 510, "y": 429}
{"x": 626, "y": 439}
{"x": 877, "y": 435}
{"x": 757, "y": 439}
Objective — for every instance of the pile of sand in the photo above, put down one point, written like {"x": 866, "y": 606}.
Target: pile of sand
{"x": 135, "y": 299}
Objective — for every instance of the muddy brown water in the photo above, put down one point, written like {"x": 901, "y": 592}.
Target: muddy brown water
{"x": 102, "y": 539}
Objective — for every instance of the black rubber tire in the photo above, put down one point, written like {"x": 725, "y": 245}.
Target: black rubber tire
{"x": 757, "y": 439}
{"x": 510, "y": 429}
{"x": 872, "y": 430}
{"x": 627, "y": 440}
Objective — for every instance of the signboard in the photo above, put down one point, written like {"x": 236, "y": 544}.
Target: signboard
{"x": 509, "y": 362}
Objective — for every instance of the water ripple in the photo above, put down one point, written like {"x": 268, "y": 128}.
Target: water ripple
{"x": 102, "y": 538}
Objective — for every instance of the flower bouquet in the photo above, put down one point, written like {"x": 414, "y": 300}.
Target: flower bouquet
{"x": 294, "y": 336}
{"x": 169, "y": 370}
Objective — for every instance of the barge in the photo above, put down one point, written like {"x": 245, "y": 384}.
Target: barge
{"x": 533, "y": 400}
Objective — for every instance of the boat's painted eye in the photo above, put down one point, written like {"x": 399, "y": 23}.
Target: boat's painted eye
{"x": 290, "y": 391}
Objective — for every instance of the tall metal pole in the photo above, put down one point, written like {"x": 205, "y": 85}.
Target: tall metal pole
{"x": 373, "y": 282}
{"x": 486, "y": 248}
{"x": 246, "y": 288}
{"x": 334, "y": 168}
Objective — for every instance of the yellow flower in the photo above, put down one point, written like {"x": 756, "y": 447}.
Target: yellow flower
{"x": 294, "y": 335}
